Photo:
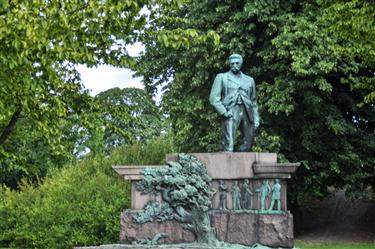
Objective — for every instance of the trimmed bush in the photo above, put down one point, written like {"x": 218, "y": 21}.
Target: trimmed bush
{"x": 78, "y": 205}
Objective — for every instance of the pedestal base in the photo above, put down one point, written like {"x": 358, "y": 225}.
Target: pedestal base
{"x": 273, "y": 230}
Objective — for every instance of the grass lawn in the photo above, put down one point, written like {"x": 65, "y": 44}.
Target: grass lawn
{"x": 327, "y": 245}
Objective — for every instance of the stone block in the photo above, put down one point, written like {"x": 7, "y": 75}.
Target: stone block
{"x": 276, "y": 230}
{"x": 227, "y": 165}
{"x": 132, "y": 172}
{"x": 241, "y": 229}
{"x": 139, "y": 200}
{"x": 131, "y": 231}
{"x": 219, "y": 220}
{"x": 274, "y": 170}
{"x": 273, "y": 230}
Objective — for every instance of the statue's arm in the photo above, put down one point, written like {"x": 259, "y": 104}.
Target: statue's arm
{"x": 215, "y": 95}
{"x": 254, "y": 105}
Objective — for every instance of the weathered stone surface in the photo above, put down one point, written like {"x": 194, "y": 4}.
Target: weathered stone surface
{"x": 276, "y": 230}
{"x": 131, "y": 231}
{"x": 176, "y": 234}
{"x": 241, "y": 229}
{"x": 274, "y": 170}
{"x": 132, "y": 172}
{"x": 226, "y": 165}
{"x": 219, "y": 220}
{"x": 139, "y": 200}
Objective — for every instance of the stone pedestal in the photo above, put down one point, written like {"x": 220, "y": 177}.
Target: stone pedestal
{"x": 131, "y": 231}
{"x": 234, "y": 227}
{"x": 230, "y": 166}
{"x": 245, "y": 226}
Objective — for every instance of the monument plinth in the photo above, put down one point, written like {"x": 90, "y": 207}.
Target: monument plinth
{"x": 248, "y": 202}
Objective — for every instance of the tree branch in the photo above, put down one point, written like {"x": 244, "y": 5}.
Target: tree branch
{"x": 8, "y": 129}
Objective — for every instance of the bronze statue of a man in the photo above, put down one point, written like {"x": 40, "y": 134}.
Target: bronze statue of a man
{"x": 233, "y": 96}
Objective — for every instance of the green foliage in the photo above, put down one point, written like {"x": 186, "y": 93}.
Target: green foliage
{"x": 78, "y": 205}
{"x": 308, "y": 93}
{"x": 42, "y": 102}
{"x": 40, "y": 43}
{"x": 352, "y": 24}
{"x": 28, "y": 153}
{"x": 131, "y": 111}
{"x": 116, "y": 117}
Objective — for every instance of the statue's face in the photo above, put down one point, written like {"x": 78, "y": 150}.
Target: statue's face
{"x": 235, "y": 65}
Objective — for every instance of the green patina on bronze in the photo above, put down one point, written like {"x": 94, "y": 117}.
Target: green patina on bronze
{"x": 247, "y": 195}
{"x": 185, "y": 189}
{"x": 149, "y": 241}
{"x": 276, "y": 195}
{"x": 222, "y": 195}
{"x": 264, "y": 191}
{"x": 236, "y": 196}
{"x": 154, "y": 211}
{"x": 233, "y": 96}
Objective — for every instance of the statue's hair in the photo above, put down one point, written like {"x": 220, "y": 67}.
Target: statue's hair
{"x": 235, "y": 56}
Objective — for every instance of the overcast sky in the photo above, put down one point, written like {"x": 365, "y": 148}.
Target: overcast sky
{"x": 105, "y": 77}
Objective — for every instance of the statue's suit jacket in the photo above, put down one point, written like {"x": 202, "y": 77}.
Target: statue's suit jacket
{"x": 228, "y": 89}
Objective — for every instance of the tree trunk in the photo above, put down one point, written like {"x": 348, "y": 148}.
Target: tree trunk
{"x": 202, "y": 227}
{"x": 9, "y": 128}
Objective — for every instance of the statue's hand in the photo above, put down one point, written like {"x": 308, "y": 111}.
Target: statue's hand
{"x": 227, "y": 115}
{"x": 256, "y": 123}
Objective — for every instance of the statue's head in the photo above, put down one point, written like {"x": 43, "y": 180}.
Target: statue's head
{"x": 235, "y": 62}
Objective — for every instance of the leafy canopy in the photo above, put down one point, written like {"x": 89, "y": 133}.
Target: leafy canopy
{"x": 131, "y": 111}
{"x": 308, "y": 91}
{"x": 41, "y": 95}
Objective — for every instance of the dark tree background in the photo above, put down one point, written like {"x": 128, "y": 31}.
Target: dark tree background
{"x": 311, "y": 92}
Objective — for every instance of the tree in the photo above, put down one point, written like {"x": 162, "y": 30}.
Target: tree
{"x": 129, "y": 110}
{"x": 352, "y": 24}
{"x": 41, "y": 41}
{"x": 307, "y": 92}
{"x": 40, "y": 44}
{"x": 185, "y": 189}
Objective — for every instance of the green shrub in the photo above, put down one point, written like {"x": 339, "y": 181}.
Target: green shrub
{"x": 78, "y": 205}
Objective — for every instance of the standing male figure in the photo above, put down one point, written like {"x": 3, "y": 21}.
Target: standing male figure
{"x": 223, "y": 195}
{"x": 264, "y": 191}
{"x": 236, "y": 196}
{"x": 276, "y": 195}
{"x": 247, "y": 195}
{"x": 233, "y": 96}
